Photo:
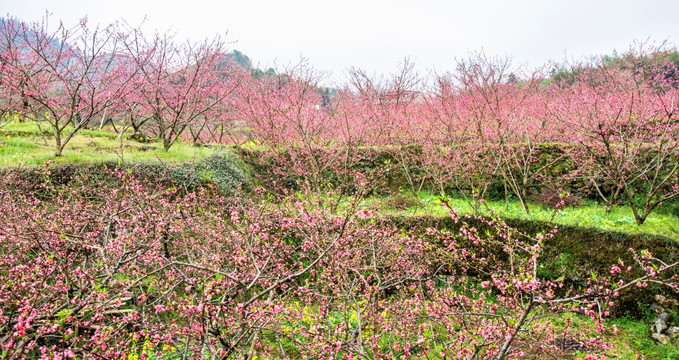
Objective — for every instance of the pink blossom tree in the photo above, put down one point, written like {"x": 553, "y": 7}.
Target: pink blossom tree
{"x": 67, "y": 76}
{"x": 460, "y": 160}
{"x": 8, "y": 53}
{"x": 179, "y": 84}
{"x": 286, "y": 117}
{"x": 623, "y": 116}
{"x": 390, "y": 110}
{"x": 505, "y": 108}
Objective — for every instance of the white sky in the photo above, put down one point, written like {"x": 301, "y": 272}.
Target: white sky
{"x": 376, "y": 35}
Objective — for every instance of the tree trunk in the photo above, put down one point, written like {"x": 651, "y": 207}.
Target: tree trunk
{"x": 522, "y": 198}
{"x": 517, "y": 327}
{"x": 167, "y": 143}
{"x": 59, "y": 146}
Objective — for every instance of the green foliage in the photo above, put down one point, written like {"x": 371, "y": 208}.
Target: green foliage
{"x": 217, "y": 171}
{"x": 240, "y": 59}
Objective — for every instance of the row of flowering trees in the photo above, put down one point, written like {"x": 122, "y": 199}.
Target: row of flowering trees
{"x": 611, "y": 122}
{"x": 69, "y": 78}
{"x": 613, "y": 125}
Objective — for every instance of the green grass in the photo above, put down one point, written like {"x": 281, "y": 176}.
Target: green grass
{"x": 588, "y": 214}
{"x": 24, "y": 143}
{"x": 633, "y": 340}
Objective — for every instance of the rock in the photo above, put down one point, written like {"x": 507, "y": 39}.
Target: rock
{"x": 672, "y": 332}
{"x": 658, "y": 327}
{"x": 665, "y": 316}
{"x": 660, "y": 323}
{"x": 663, "y": 339}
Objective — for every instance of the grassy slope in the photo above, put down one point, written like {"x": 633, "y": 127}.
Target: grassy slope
{"x": 588, "y": 214}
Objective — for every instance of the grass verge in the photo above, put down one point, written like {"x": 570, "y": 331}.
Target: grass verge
{"x": 27, "y": 144}
{"x": 587, "y": 214}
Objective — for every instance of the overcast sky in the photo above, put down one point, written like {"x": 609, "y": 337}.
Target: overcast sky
{"x": 377, "y": 35}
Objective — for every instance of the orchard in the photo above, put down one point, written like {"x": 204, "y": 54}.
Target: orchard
{"x": 295, "y": 255}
